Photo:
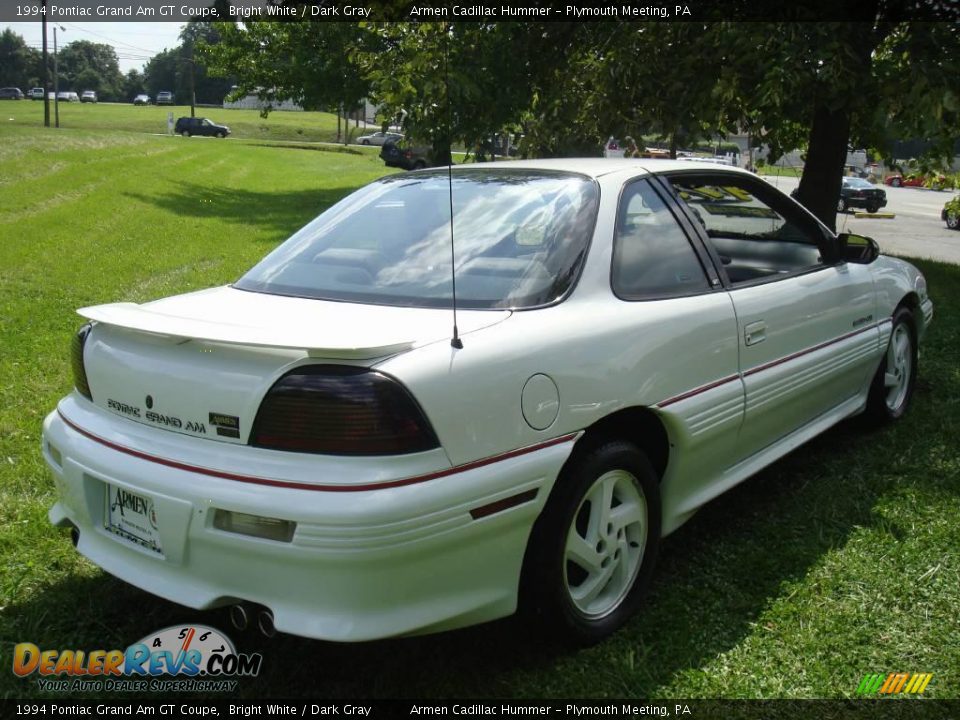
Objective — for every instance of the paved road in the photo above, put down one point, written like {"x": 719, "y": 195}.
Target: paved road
{"x": 916, "y": 231}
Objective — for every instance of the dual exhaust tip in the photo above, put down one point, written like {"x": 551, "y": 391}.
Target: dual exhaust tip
{"x": 243, "y": 615}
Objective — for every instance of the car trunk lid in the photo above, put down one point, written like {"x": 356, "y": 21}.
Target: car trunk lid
{"x": 200, "y": 363}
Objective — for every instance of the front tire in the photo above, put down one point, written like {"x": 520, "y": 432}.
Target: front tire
{"x": 896, "y": 182}
{"x": 842, "y": 205}
{"x": 953, "y": 221}
{"x": 221, "y": 135}
{"x": 895, "y": 380}
{"x": 592, "y": 551}
{"x": 872, "y": 207}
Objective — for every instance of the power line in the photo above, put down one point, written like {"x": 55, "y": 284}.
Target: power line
{"x": 116, "y": 42}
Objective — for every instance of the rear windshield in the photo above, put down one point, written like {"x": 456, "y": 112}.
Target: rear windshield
{"x": 520, "y": 238}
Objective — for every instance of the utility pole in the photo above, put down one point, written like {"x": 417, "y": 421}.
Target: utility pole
{"x": 46, "y": 71}
{"x": 193, "y": 91}
{"x": 56, "y": 78}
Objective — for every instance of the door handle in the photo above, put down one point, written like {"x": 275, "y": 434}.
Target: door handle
{"x": 755, "y": 332}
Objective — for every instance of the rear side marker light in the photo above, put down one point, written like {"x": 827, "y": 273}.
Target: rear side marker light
{"x": 341, "y": 410}
{"x": 254, "y": 525}
{"x": 504, "y": 504}
{"x": 55, "y": 455}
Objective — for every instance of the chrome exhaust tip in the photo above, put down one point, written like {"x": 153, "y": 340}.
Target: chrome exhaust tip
{"x": 265, "y": 623}
{"x": 239, "y": 617}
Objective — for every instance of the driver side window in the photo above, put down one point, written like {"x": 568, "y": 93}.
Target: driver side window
{"x": 756, "y": 234}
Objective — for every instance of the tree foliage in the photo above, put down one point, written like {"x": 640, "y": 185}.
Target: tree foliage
{"x": 20, "y": 65}
{"x": 84, "y": 65}
{"x": 307, "y": 63}
{"x": 830, "y": 86}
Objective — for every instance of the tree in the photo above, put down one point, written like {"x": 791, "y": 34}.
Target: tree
{"x": 85, "y": 65}
{"x": 652, "y": 78}
{"x": 132, "y": 85}
{"x": 833, "y": 84}
{"x": 194, "y": 36}
{"x": 164, "y": 71}
{"x": 308, "y": 63}
{"x": 20, "y": 65}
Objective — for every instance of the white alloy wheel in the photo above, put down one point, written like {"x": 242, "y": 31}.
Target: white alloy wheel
{"x": 605, "y": 544}
{"x": 897, "y": 377}
{"x": 953, "y": 220}
{"x": 893, "y": 384}
{"x": 592, "y": 551}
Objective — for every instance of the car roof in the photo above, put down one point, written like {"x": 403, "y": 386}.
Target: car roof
{"x": 598, "y": 167}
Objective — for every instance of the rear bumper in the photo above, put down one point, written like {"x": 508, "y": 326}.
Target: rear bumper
{"x": 361, "y": 565}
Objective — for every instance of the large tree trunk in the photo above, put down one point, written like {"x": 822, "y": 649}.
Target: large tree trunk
{"x": 823, "y": 170}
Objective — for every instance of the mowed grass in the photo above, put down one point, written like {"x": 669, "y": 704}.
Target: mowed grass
{"x": 842, "y": 559}
{"x": 301, "y": 126}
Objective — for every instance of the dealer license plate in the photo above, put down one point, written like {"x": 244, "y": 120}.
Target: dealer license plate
{"x": 133, "y": 517}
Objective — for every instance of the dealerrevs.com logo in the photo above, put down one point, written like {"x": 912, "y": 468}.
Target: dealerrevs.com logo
{"x": 188, "y": 658}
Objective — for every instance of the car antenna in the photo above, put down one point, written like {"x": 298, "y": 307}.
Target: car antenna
{"x": 455, "y": 341}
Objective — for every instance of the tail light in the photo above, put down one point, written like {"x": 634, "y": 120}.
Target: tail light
{"x": 341, "y": 410}
{"x": 76, "y": 360}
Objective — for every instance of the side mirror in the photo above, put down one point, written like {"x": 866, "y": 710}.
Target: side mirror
{"x": 858, "y": 249}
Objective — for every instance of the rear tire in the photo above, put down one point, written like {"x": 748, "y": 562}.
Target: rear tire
{"x": 953, "y": 221}
{"x": 895, "y": 380}
{"x": 896, "y": 182}
{"x": 185, "y": 133}
{"x": 842, "y": 205}
{"x": 592, "y": 551}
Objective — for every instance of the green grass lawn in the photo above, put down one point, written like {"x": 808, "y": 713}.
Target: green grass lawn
{"x": 842, "y": 559}
{"x": 303, "y": 126}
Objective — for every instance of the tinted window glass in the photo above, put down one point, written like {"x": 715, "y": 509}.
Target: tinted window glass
{"x": 756, "y": 232}
{"x": 651, "y": 254}
{"x": 520, "y": 237}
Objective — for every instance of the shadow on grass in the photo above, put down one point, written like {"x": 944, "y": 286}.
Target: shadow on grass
{"x": 275, "y": 212}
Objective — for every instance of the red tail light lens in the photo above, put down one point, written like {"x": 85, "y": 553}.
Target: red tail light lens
{"x": 76, "y": 360}
{"x": 341, "y": 410}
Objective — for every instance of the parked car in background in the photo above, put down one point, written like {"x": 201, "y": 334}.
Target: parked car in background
{"x": 88, "y": 96}
{"x": 36, "y": 93}
{"x": 188, "y": 126}
{"x": 67, "y": 96}
{"x": 378, "y": 138}
{"x": 404, "y": 154}
{"x": 857, "y": 192}
{"x": 934, "y": 182}
{"x": 164, "y": 97}
{"x": 951, "y": 213}
{"x": 12, "y": 93}
{"x": 141, "y": 99}
{"x": 313, "y": 442}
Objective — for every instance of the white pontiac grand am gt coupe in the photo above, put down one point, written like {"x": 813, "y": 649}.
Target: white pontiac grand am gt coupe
{"x": 311, "y": 444}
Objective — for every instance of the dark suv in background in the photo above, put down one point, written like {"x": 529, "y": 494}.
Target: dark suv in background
{"x": 406, "y": 155}
{"x": 187, "y": 126}
{"x": 11, "y": 93}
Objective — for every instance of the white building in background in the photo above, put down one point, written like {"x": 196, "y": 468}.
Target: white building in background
{"x": 255, "y": 102}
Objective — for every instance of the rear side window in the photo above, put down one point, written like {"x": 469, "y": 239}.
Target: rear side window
{"x": 652, "y": 256}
